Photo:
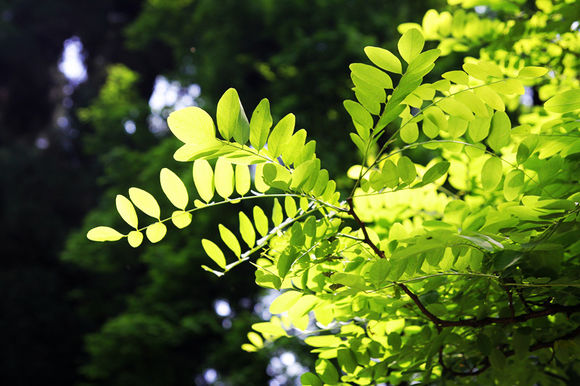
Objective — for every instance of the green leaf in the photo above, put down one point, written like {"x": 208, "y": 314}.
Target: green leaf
{"x": 532, "y": 72}
{"x": 435, "y": 172}
{"x": 290, "y": 206}
{"x": 479, "y": 129}
{"x": 214, "y": 252}
{"x": 261, "y": 185}
{"x": 409, "y": 132}
{"x": 455, "y": 108}
{"x": 260, "y": 221}
{"x": 384, "y": 59}
{"x": 181, "y": 219}
{"x": 491, "y": 173}
{"x": 564, "y": 102}
{"x": 473, "y": 102}
{"x": 230, "y": 240}
{"x": 456, "y": 126}
{"x": 497, "y": 359}
{"x": 174, "y": 188}
{"x": 310, "y": 379}
{"x": 102, "y": 233}
{"x": 406, "y": 169}
{"x": 423, "y": 63}
{"x": 509, "y": 87}
{"x": 281, "y": 134}
{"x": 490, "y": 97}
{"x": 321, "y": 182}
{"x": 301, "y": 174}
{"x": 126, "y": 210}
{"x": 513, "y": 184}
{"x": 145, "y": 202}
{"x": 459, "y": 77}
{"x": 260, "y": 124}
{"x": 390, "y": 174}
{"x": 291, "y": 151}
{"x": 361, "y": 118}
{"x": 326, "y": 371}
{"x": 135, "y": 238}
{"x": 231, "y": 119}
{"x": 243, "y": 179}
{"x": 411, "y": 44}
{"x": 371, "y": 75}
{"x": 247, "y": 230}
{"x": 191, "y": 125}
{"x": 156, "y": 232}
{"x": 224, "y": 178}
{"x": 500, "y": 131}
{"x": 523, "y": 153}
{"x": 284, "y": 301}
{"x": 277, "y": 215}
{"x": 203, "y": 179}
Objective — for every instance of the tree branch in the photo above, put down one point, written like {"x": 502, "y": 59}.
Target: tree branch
{"x": 367, "y": 240}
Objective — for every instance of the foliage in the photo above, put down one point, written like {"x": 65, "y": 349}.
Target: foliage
{"x": 460, "y": 266}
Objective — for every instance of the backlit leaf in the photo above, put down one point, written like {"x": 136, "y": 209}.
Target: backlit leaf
{"x": 290, "y": 206}
{"x": 564, "y": 102}
{"x": 435, "y": 172}
{"x": 145, "y": 202}
{"x": 224, "y": 178}
{"x": 409, "y": 132}
{"x": 243, "y": 179}
{"x": 156, "y": 231}
{"x": 459, "y": 77}
{"x": 181, "y": 219}
{"x": 230, "y": 240}
{"x": 203, "y": 179}
{"x": 260, "y": 124}
{"x": 281, "y": 135}
{"x": 214, "y": 252}
{"x": 361, "y": 118}
{"x": 191, "y": 125}
{"x": 411, "y": 44}
{"x": 102, "y": 233}
{"x": 284, "y": 301}
{"x": 384, "y": 59}
{"x": 231, "y": 120}
{"x": 277, "y": 215}
{"x": 247, "y": 230}
{"x": 490, "y": 97}
{"x": 260, "y": 221}
{"x": 174, "y": 188}
{"x": 406, "y": 169}
{"x": 126, "y": 210}
{"x": 513, "y": 184}
{"x": 491, "y": 173}
{"x": 500, "y": 131}
{"x": 532, "y": 72}
{"x": 135, "y": 238}
{"x": 371, "y": 75}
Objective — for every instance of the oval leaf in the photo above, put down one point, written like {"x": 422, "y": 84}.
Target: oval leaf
{"x": 203, "y": 179}
{"x": 103, "y": 233}
{"x": 224, "y": 178}
{"x": 411, "y": 44}
{"x": 214, "y": 252}
{"x": 155, "y": 232}
{"x": 491, "y": 173}
{"x": 230, "y": 240}
{"x": 191, "y": 125}
{"x": 145, "y": 202}
{"x": 174, "y": 188}
{"x": 126, "y": 210}
{"x": 384, "y": 59}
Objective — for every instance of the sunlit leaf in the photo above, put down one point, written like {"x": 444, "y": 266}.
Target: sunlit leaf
{"x": 156, "y": 232}
{"x": 135, "y": 238}
{"x": 145, "y": 202}
{"x": 260, "y": 221}
{"x": 532, "y": 72}
{"x": 224, "y": 178}
{"x": 126, "y": 210}
{"x": 513, "y": 184}
{"x": 491, "y": 173}
{"x": 411, "y": 44}
{"x": 181, "y": 219}
{"x": 371, "y": 75}
{"x": 260, "y": 124}
{"x": 174, "y": 188}
{"x": 102, "y": 233}
{"x": 247, "y": 230}
{"x": 243, "y": 179}
{"x": 500, "y": 131}
{"x": 214, "y": 252}
{"x": 191, "y": 125}
{"x": 564, "y": 102}
{"x": 384, "y": 59}
{"x": 281, "y": 135}
{"x": 230, "y": 240}
{"x": 203, "y": 179}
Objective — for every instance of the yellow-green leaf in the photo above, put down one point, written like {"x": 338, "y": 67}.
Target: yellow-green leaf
{"x": 103, "y": 233}
{"x": 191, "y": 125}
{"x": 500, "y": 131}
{"x": 260, "y": 221}
{"x": 513, "y": 184}
{"x": 491, "y": 173}
{"x": 281, "y": 134}
{"x": 203, "y": 179}
{"x": 532, "y": 72}
{"x": 260, "y": 124}
{"x": 126, "y": 210}
{"x": 135, "y": 238}
{"x": 174, "y": 188}
{"x": 409, "y": 132}
{"x": 224, "y": 178}
{"x": 284, "y": 301}
{"x": 565, "y": 102}
{"x": 230, "y": 240}
{"x": 145, "y": 202}
{"x": 371, "y": 75}
{"x": 247, "y": 230}
{"x": 406, "y": 169}
{"x": 181, "y": 219}
{"x": 490, "y": 97}
{"x": 277, "y": 215}
{"x": 228, "y": 111}
{"x": 290, "y": 206}
{"x": 459, "y": 77}
{"x": 384, "y": 59}
{"x": 261, "y": 186}
{"x": 156, "y": 231}
{"x": 214, "y": 252}
{"x": 243, "y": 179}
{"x": 411, "y": 44}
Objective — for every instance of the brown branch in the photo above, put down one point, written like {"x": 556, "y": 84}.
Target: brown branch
{"x": 473, "y": 322}
{"x": 367, "y": 240}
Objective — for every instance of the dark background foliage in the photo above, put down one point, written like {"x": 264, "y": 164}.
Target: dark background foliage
{"x": 75, "y": 312}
